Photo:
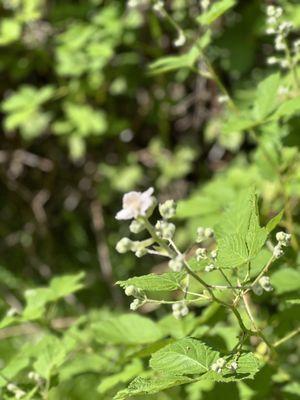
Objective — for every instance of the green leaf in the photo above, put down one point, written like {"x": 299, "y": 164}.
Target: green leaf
{"x": 37, "y": 299}
{"x": 141, "y": 386}
{"x": 51, "y": 353}
{"x": 266, "y": 96}
{"x": 172, "y": 63}
{"x": 271, "y": 225}
{"x": 287, "y": 109}
{"x": 215, "y": 11}
{"x": 286, "y": 280}
{"x": 129, "y": 329}
{"x": 154, "y": 282}
{"x": 128, "y": 373}
{"x": 239, "y": 235}
{"x": 184, "y": 357}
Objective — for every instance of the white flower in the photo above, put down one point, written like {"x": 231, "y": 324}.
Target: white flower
{"x": 135, "y": 204}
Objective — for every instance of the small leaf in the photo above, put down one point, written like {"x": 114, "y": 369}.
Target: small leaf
{"x": 215, "y": 11}
{"x": 266, "y": 96}
{"x": 154, "y": 282}
{"x": 271, "y": 225}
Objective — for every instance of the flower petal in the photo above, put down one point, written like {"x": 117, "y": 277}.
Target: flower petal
{"x": 126, "y": 213}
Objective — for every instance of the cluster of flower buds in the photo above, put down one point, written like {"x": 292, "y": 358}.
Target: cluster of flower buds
{"x": 176, "y": 264}
{"x": 167, "y": 209}
{"x": 203, "y": 234}
{"x": 280, "y": 29}
{"x": 283, "y": 240}
{"x": 218, "y": 365}
{"x": 18, "y": 393}
{"x": 180, "y": 310}
{"x": 164, "y": 229}
{"x": 137, "y": 303}
{"x": 138, "y": 247}
{"x": 262, "y": 285}
{"x": 209, "y": 267}
{"x": 201, "y": 254}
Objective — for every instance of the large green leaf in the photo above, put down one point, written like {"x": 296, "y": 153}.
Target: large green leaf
{"x": 286, "y": 280}
{"x": 239, "y": 235}
{"x": 127, "y": 329}
{"x": 184, "y": 357}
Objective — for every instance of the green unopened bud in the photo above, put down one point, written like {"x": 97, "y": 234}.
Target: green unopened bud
{"x": 136, "y": 226}
{"x": 177, "y": 263}
{"x": 124, "y": 245}
{"x": 135, "y": 304}
{"x": 201, "y": 254}
{"x": 167, "y": 209}
{"x": 165, "y": 230}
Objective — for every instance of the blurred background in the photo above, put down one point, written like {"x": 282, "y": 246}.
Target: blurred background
{"x": 87, "y": 114}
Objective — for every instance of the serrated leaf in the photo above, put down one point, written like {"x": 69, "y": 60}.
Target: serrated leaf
{"x": 128, "y": 329}
{"x": 154, "y": 282}
{"x": 184, "y": 357}
{"x": 141, "y": 386}
{"x": 266, "y": 96}
{"x": 215, "y": 11}
{"x": 239, "y": 235}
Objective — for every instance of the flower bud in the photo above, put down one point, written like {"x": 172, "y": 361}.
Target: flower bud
{"x": 208, "y": 233}
{"x": 214, "y": 254}
{"x": 218, "y": 365}
{"x": 167, "y": 209}
{"x": 135, "y": 304}
{"x": 233, "y": 366}
{"x": 257, "y": 289}
{"x": 283, "y": 238}
{"x": 264, "y": 282}
{"x": 131, "y": 290}
{"x": 200, "y": 234}
{"x": 209, "y": 268}
{"x": 201, "y": 254}
{"x": 136, "y": 226}
{"x": 179, "y": 310}
{"x": 277, "y": 251}
{"x": 176, "y": 264}
{"x": 124, "y": 245}
{"x": 165, "y": 230}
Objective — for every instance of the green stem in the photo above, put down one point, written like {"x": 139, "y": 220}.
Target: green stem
{"x": 287, "y": 337}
